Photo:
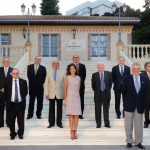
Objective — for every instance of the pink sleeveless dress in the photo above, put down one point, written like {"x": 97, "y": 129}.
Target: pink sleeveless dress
{"x": 73, "y": 104}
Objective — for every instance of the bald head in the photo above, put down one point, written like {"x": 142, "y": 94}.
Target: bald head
{"x": 15, "y": 73}
{"x": 75, "y": 58}
{"x": 37, "y": 60}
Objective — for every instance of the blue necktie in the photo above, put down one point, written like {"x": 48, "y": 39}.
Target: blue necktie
{"x": 121, "y": 70}
{"x": 102, "y": 82}
{"x": 16, "y": 92}
{"x": 55, "y": 75}
{"x": 137, "y": 85}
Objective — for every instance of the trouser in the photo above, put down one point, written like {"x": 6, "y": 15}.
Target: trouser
{"x": 16, "y": 111}
{"x": 146, "y": 113}
{"x": 118, "y": 94}
{"x": 51, "y": 118}
{"x": 134, "y": 119}
{"x": 2, "y": 109}
{"x": 39, "y": 97}
{"x": 105, "y": 101}
{"x": 82, "y": 99}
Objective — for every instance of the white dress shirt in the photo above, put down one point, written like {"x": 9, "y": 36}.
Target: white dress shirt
{"x": 13, "y": 90}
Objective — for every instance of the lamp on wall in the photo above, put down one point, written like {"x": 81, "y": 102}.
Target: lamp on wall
{"x": 74, "y": 32}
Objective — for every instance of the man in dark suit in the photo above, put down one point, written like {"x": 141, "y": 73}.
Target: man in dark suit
{"x": 146, "y": 74}
{"x": 134, "y": 90}
{"x": 82, "y": 73}
{"x": 36, "y": 74}
{"x": 15, "y": 93}
{"x": 119, "y": 72}
{"x": 101, "y": 85}
{"x": 4, "y": 75}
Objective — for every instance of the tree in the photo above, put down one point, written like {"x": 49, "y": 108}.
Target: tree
{"x": 49, "y": 7}
{"x": 130, "y": 12}
{"x": 141, "y": 32}
{"x": 147, "y": 4}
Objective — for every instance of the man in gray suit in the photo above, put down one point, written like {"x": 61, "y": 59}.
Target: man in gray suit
{"x": 134, "y": 93}
{"x": 101, "y": 85}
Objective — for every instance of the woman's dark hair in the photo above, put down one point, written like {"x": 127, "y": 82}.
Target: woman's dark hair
{"x": 147, "y": 63}
{"x": 68, "y": 69}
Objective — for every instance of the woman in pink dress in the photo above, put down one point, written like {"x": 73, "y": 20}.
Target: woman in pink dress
{"x": 72, "y": 99}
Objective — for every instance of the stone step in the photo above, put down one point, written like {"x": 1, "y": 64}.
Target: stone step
{"x": 57, "y": 136}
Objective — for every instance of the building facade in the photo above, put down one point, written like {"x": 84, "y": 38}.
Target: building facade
{"x": 98, "y": 7}
{"x": 62, "y": 36}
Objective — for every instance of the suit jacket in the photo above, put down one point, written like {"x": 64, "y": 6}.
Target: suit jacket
{"x": 54, "y": 88}
{"x": 8, "y": 92}
{"x": 2, "y": 76}
{"x": 82, "y": 74}
{"x": 147, "y": 99}
{"x": 117, "y": 78}
{"x": 37, "y": 80}
{"x": 96, "y": 84}
{"x": 132, "y": 99}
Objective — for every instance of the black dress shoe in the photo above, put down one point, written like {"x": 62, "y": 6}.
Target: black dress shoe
{"x": 98, "y": 126}
{"x": 140, "y": 146}
{"x": 146, "y": 125}
{"x": 108, "y": 126}
{"x": 50, "y": 126}
{"x": 20, "y": 137}
{"x": 13, "y": 136}
{"x": 80, "y": 117}
{"x": 118, "y": 117}
{"x": 39, "y": 117}
{"x": 60, "y": 126}
{"x": 1, "y": 126}
{"x": 29, "y": 117}
{"x": 129, "y": 145}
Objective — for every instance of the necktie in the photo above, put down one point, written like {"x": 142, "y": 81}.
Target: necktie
{"x": 36, "y": 69}
{"x": 102, "y": 82}
{"x": 77, "y": 65}
{"x": 137, "y": 85}
{"x": 121, "y": 71}
{"x": 55, "y": 74}
{"x": 16, "y": 92}
{"x": 5, "y": 70}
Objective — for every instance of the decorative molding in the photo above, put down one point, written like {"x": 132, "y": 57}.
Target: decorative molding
{"x": 59, "y": 29}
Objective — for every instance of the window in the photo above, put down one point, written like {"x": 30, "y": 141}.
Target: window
{"x": 49, "y": 45}
{"x": 4, "y": 40}
{"x": 99, "y": 45}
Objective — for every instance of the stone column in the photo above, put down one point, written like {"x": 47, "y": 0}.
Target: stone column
{"x": 120, "y": 47}
{"x": 28, "y": 47}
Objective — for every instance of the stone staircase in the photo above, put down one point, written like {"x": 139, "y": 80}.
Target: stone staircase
{"x": 37, "y": 133}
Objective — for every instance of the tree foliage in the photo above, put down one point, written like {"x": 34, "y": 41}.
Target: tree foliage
{"x": 49, "y": 7}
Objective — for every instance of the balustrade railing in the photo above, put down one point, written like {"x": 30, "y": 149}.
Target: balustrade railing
{"x": 139, "y": 52}
{"x": 13, "y": 52}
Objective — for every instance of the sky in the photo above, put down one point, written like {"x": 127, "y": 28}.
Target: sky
{"x": 12, "y": 7}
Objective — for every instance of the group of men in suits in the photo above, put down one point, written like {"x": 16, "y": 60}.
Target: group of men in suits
{"x": 134, "y": 89}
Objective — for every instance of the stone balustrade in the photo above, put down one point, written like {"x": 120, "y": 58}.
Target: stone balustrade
{"x": 138, "y": 52}
{"x": 13, "y": 52}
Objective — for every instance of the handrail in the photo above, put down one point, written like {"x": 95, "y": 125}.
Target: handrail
{"x": 22, "y": 63}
